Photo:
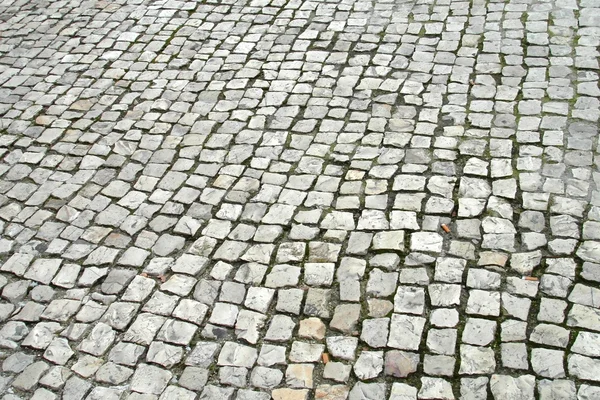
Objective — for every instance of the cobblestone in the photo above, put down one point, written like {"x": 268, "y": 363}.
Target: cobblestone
{"x": 262, "y": 199}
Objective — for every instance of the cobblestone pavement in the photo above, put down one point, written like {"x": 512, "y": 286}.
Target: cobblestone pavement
{"x": 364, "y": 200}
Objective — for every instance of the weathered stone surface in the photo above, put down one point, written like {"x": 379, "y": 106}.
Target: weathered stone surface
{"x": 149, "y": 379}
{"x": 583, "y": 367}
{"x": 503, "y": 386}
{"x": 405, "y": 332}
{"x": 366, "y": 391}
{"x": 400, "y": 363}
{"x": 435, "y": 388}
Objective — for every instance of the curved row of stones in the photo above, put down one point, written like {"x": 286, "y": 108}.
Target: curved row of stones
{"x": 262, "y": 199}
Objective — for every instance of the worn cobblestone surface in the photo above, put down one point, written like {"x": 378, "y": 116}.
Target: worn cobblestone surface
{"x": 286, "y": 199}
